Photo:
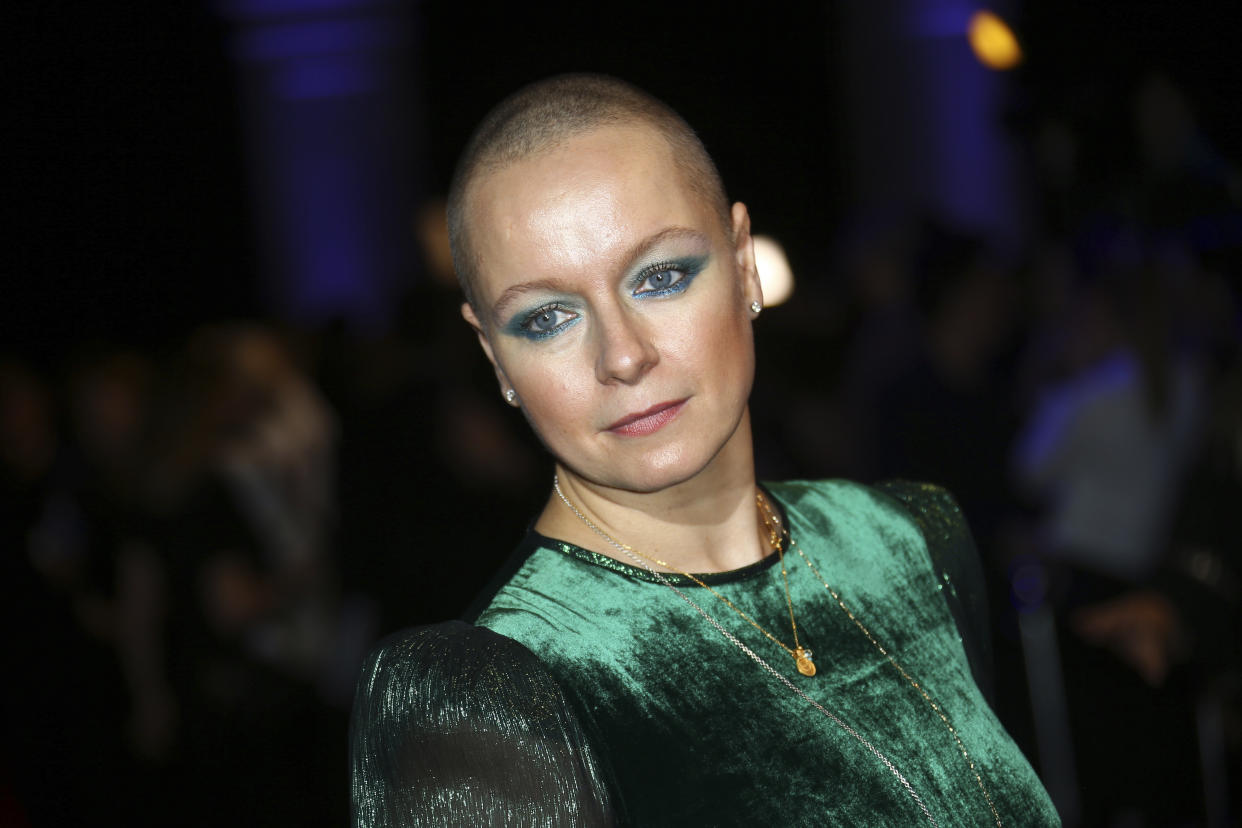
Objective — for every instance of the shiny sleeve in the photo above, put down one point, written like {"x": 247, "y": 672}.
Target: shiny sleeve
{"x": 956, "y": 561}
{"x": 455, "y": 725}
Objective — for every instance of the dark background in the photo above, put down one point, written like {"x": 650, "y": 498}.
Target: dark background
{"x": 132, "y": 203}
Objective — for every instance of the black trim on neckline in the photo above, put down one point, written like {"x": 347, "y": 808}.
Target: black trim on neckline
{"x": 538, "y": 541}
{"x": 534, "y": 540}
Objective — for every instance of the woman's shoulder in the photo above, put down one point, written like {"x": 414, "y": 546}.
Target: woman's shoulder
{"x": 537, "y": 596}
{"x": 915, "y": 509}
{"x": 842, "y": 486}
{"x": 409, "y": 677}
{"x": 447, "y": 655}
{"x": 929, "y": 505}
{"x": 453, "y": 721}
{"x": 445, "y": 676}
{"x": 516, "y": 585}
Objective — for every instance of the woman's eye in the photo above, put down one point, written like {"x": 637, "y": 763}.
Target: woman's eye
{"x": 661, "y": 280}
{"x": 547, "y": 320}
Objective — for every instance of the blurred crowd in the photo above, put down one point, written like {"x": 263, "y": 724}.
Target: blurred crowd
{"x": 200, "y": 548}
{"x": 200, "y": 541}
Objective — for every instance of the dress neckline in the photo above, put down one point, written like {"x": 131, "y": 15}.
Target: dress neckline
{"x": 536, "y": 540}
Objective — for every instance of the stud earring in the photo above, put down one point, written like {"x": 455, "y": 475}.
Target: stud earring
{"x": 510, "y": 396}
{"x": 756, "y": 306}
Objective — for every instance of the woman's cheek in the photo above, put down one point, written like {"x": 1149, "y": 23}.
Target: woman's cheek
{"x": 558, "y": 400}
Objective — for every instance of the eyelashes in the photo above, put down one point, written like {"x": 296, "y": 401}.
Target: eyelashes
{"x": 546, "y": 320}
{"x": 664, "y": 278}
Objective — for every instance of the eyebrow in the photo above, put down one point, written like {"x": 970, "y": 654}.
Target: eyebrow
{"x": 636, "y": 252}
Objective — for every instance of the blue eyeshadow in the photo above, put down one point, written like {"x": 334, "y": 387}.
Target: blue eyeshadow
{"x": 517, "y": 326}
{"x": 689, "y": 266}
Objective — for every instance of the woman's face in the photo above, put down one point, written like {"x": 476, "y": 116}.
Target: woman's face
{"x": 614, "y": 303}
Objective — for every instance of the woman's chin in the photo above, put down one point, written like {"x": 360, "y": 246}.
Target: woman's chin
{"x": 645, "y": 481}
{"x": 650, "y": 472}
{"x": 680, "y": 454}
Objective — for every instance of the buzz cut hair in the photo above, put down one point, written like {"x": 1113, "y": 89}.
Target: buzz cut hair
{"x": 546, "y": 114}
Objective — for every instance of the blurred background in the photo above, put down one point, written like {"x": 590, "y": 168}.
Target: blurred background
{"x": 244, "y": 434}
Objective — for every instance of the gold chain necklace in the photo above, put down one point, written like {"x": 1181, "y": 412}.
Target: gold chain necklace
{"x": 913, "y": 682}
{"x": 802, "y": 656}
{"x": 642, "y": 561}
{"x": 776, "y": 539}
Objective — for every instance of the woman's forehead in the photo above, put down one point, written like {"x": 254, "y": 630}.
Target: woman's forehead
{"x": 607, "y": 163}
{"x": 581, "y": 203}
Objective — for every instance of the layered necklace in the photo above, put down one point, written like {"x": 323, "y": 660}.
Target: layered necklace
{"x": 802, "y": 656}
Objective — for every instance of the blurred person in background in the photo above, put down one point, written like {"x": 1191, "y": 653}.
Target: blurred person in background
{"x": 92, "y": 713}
{"x": 1109, "y": 445}
{"x": 1178, "y": 628}
{"x": 247, "y": 480}
{"x": 1107, "y": 449}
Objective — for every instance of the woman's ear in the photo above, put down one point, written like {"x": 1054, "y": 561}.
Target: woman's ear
{"x": 472, "y": 319}
{"x": 744, "y": 252}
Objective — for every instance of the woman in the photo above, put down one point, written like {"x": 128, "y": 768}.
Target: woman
{"x": 811, "y": 671}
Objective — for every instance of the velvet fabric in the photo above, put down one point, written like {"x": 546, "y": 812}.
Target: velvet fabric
{"x": 680, "y": 727}
{"x": 454, "y": 725}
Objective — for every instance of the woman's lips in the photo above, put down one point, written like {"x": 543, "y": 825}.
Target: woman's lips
{"x": 646, "y": 422}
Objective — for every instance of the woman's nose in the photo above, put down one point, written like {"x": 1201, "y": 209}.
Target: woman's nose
{"x": 626, "y": 349}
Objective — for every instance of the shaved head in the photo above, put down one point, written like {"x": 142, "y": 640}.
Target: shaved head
{"x": 548, "y": 113}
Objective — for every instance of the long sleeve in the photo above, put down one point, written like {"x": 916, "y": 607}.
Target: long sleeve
{"x": 456, "y": 725}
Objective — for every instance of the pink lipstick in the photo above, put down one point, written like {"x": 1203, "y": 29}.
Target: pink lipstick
{"x": 649, "y": 421}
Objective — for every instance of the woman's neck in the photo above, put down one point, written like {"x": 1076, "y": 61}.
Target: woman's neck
{"x": 709, "y": 523}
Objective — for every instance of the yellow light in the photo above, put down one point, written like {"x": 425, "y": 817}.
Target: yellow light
{"x": 775, "y": 275}
{"x": 993, "y": 41}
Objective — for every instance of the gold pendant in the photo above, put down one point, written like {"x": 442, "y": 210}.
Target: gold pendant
{"x": 803, "y": 657}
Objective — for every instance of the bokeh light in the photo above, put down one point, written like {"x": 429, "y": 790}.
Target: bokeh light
{"x": 775, "y": 274}
{"x": 993, "y": 42}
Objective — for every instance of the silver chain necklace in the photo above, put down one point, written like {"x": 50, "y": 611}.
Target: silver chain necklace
{"x": 772, "y": 671}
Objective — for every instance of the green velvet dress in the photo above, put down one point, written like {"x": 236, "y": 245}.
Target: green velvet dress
{"x": 635, "y": 710}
